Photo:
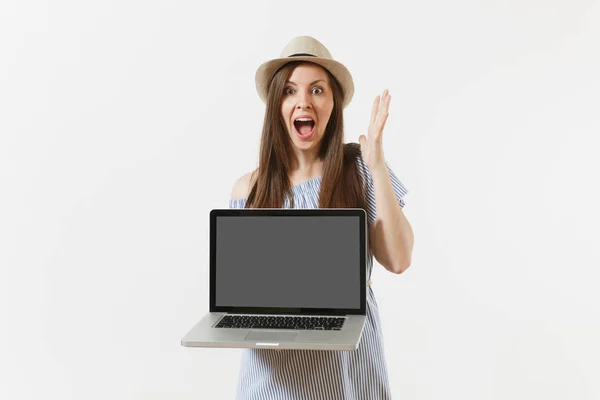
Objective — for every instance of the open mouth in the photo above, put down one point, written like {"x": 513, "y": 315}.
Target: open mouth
{"x": 304, "y": 127}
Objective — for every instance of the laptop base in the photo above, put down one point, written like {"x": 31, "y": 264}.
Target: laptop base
{"x": 204, "y": 334}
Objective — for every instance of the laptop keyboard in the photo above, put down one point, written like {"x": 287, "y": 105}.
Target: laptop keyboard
{"x": 281, "y": 322}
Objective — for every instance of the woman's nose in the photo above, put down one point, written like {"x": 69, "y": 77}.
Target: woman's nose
{"x": 303, "y": 103}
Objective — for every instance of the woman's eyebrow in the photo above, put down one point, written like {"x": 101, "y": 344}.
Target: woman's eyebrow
{"x": 312, "y": 83}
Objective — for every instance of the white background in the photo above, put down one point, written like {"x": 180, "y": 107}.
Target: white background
{"x": 123, "y": 123}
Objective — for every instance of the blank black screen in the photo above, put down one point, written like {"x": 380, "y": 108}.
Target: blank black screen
{"x": 288, "y": 261}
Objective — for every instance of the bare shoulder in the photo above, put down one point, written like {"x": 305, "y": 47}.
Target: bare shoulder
{"x": 241, "y": 188}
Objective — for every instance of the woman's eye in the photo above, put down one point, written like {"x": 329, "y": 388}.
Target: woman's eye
{"x": 319, "y": 89}
{"x": 288, "y": 90}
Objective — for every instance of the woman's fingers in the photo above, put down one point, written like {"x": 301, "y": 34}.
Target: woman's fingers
{"x": 384, "y": 104}
{"x": 379, "y": 113}
{"x": 375, "y": 109}
{"x": 381, "y": 105}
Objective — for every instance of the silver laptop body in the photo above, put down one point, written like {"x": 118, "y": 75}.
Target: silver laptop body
{"x": 285, "y": 279}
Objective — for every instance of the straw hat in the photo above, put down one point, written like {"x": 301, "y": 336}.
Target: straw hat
{"x": 304, "y": 48}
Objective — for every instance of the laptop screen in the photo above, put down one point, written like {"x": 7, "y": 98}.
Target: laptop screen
{"x": 288, "y": 261}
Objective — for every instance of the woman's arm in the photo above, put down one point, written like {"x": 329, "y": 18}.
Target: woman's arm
{"x": 390, "y": 235}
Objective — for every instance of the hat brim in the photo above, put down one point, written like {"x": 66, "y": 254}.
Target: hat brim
{"x": 265, "y": 73}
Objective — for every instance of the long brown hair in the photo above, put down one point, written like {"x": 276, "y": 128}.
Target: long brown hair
{"x": 341, "y": 185}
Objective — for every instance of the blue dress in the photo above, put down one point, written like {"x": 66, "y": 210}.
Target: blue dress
{"x": 318, "y": 374}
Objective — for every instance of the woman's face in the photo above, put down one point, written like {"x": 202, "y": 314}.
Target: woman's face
{"x": 306, "y": 105}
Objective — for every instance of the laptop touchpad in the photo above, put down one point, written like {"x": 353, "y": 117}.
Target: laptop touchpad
{"x": 271, "y": 336}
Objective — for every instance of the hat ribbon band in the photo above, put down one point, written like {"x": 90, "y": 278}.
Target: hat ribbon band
{"x": 302, "y": 55}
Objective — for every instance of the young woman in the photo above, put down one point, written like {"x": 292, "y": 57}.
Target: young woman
{"x": 304, "y": 163}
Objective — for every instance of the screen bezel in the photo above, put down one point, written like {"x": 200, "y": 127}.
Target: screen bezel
{"x": 330, "y": 212}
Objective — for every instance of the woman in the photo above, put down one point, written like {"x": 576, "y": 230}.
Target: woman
{"x": 304, "y": 163}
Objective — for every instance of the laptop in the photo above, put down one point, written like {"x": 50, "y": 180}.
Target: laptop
{"x": 285, "y": 279}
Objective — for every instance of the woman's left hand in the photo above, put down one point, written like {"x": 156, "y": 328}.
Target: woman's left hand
{"x": 371, "y": 146}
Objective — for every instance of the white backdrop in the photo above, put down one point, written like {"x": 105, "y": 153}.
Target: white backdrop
{"x": 123, "y": 123}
